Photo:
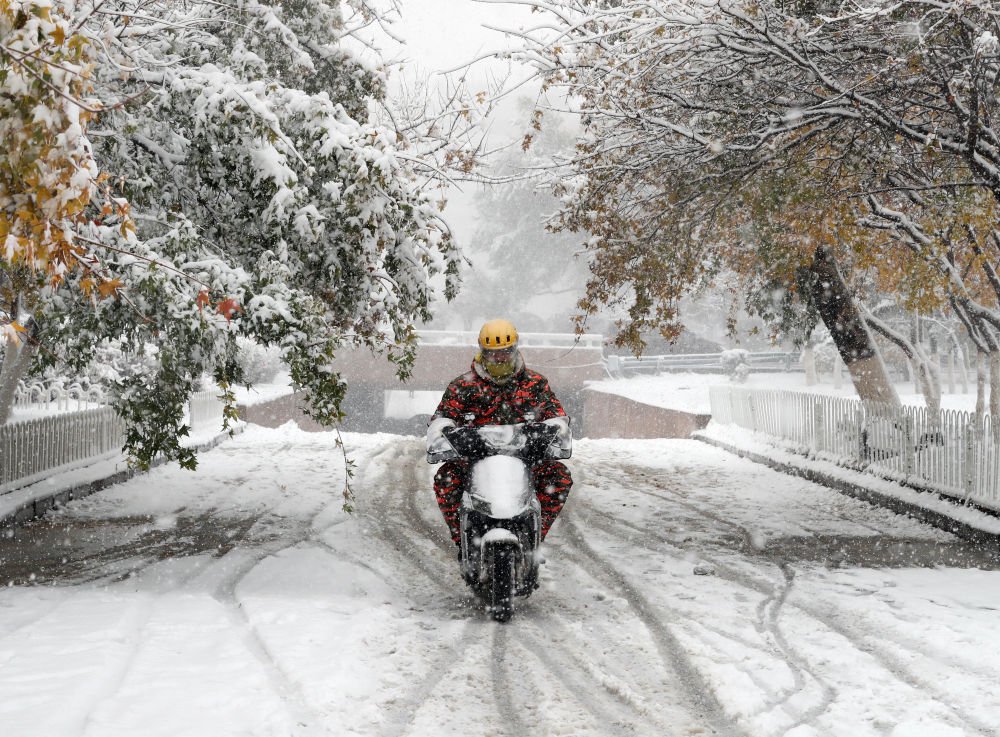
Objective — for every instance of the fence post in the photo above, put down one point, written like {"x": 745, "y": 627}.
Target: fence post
{"x": 969, "y": 459}
{"x": 862, "y": 445}
{"x": 819, "y": 426}
{"x": 909, "y": 445}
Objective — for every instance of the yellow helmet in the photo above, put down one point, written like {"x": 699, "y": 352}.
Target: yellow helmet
{"x": 497, "y": 334}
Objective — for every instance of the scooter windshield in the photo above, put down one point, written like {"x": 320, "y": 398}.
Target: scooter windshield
{"x": 503, "y": 437}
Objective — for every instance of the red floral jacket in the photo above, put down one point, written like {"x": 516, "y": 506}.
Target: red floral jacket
{"x": 492, "y": 403}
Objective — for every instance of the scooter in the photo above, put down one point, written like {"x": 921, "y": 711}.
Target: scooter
{"x": 500, "y": 516}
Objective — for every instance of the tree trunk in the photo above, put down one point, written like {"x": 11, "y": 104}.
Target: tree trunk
{"x": 16, "y": 362}
{"x": 850, "y": 334}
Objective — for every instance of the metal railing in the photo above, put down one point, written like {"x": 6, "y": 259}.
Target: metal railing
{"x": 949, "y": 451}
{"x": 31, "y": 450}
{"x": 57, "y": 394}
{"x": 470, "y": 338}
{"x": 699, "y": 363}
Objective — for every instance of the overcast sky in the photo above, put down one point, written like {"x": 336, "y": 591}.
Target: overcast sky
{"x": 442, "y": 35}
{"x": 445, "y": 33}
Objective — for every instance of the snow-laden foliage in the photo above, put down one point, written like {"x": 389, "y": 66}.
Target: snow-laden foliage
{"x": 258, "y": 197}
{"x": 736, "y": 363}
{"x": 259, "y": 364}
{"x": 48, "y": 173}
{"x": 745, "y": 134}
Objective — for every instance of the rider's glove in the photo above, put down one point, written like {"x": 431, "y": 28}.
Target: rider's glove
{"x": 562, "y": 443}
{"x": 438, "y": 447}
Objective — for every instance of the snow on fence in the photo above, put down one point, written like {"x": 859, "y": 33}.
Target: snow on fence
{"x": 33, "y": 449}
{"x": 950, "y": 451}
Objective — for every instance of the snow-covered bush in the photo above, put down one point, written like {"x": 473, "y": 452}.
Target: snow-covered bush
{"x": 825, "y": 354}
{"x": 260, "y": 363}
{"x": 736, "y": 363}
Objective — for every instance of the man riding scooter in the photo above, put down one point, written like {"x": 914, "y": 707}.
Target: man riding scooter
{"x": 499, "y": 390}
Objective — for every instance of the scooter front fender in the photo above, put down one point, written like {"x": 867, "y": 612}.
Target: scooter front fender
{"x": 500, "y": 487}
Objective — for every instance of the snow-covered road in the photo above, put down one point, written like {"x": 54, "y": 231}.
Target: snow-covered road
{"x": 242, "y": 600}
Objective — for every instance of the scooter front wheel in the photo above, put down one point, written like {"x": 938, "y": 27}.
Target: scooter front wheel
{"x": 502, "y": 582}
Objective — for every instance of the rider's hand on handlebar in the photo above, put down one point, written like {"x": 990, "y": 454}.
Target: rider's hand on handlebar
{"x": 539, "y": 429}
{"x": 465, "y": 434}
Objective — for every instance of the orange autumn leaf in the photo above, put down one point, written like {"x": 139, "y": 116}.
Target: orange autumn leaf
{"x": 228, "y": 307}
{"x": 109, "y": 287}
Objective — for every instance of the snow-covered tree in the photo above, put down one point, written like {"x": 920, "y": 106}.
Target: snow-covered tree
{"x": 48, "y": 174}
{"x": 780, "y": 141}
{"x": 258, "y": 195}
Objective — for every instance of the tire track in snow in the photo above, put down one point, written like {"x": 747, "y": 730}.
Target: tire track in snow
{"x": 232, "y": 568}
{"x": 617, "y": 704}
{"x": 409, "y": 543}
{"x": 377, "y": 506}
{"x": 308, "y": 721}
{"x": 698, "y": 695}
{"x": 503, "y": 688}
{"x": 579, "y": 685}
{"x": 873, "y": 646}
{"x": 768, "y": 612}
{"x": 117, "y": 679}
{"x": 400, "y": 714}
{"x": 596, "y": 520}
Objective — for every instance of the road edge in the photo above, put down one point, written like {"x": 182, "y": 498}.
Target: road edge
{"x": 939, "y": 519}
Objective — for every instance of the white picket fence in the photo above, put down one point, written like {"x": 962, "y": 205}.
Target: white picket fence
{"x": 33, "y": 449}
{"x": 950, "y": 452}
{"x": 205, "y": 410}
